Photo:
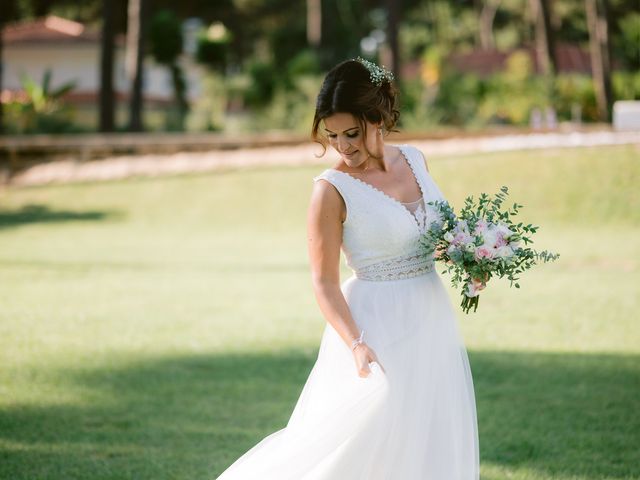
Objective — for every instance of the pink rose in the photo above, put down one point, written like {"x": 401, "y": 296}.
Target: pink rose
{"x": 484, "y": 251}
{"x": 481, "y": 226}
{"x": 500, "y": 241}
{"x": 460, "y": 238}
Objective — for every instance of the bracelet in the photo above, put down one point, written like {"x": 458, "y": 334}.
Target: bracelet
{"x": 357, "y": 341}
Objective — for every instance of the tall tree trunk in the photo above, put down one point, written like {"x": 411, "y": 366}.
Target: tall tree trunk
{"x": 2, "y": 22}
{"x": 136, "y": 14}
{"x": 7, "y": 13}
{"x": 107, "y": 100}
{"x": 487, "y": 13}
{"x": 314, "y": 22}
{"x": 599, "y": 49}
{"x": 544, "y": 36}
{"x": 393, "y": 18}
{"x": 180, "y": 94}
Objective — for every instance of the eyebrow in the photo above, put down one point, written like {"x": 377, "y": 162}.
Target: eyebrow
{"x": 345, "y": 131}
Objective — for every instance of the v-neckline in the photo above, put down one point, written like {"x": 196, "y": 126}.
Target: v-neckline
{"x": 386, "y": 195}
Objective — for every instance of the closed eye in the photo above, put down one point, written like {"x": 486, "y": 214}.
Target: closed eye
{"x": 349, "y": 135}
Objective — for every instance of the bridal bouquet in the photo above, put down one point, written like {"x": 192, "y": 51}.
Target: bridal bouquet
{"x": 481, "y": 242}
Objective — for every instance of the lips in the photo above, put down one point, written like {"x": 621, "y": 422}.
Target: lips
{"x": 350, "y": 154}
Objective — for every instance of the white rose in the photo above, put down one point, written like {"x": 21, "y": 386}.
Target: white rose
{"x": 462, "y": 226}
{"x": 504, "y": 230}
{"x": 504, "y": 252}
{"x": 490, "y": 237}
{"x": 448, "y": 237}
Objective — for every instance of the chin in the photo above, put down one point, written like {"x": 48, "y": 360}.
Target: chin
{"x": 353, "y": 161}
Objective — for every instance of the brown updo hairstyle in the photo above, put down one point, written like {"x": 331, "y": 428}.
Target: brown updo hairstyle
{"x": 347, "y": 88}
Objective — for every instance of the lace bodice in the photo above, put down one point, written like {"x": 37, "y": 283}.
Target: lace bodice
{"x": 417, "y": 208}
{"x": 380, "y": 234}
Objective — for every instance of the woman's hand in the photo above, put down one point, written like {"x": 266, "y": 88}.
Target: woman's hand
{"x": 479, "y": 283}
{"x": 438, "y": 252}
{"x": 363, "y": 355}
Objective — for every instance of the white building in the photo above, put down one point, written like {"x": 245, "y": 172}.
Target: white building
{"x": 72, "y": 53}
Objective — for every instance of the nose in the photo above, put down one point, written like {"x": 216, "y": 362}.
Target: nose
{"x": 343, "y": 144}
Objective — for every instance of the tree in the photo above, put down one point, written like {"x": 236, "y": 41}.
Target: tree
{"x": 393, "y": 19}
{"x": 314, "y": 22}
{"x": 8, "y": 12}
{"x": 166, "y": 47}
{"x": 488, "y": 9}
{"x": 544, "y": 36}
{"x": 599, "y": 48}
{"x": 136, "y": 15}
{"x": 107, "y": 99}
{"x": 2, "y": 22}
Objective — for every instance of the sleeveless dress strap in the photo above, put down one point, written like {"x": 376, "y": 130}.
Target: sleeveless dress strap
{"x": 431, "y": 190}
{"x": 340, "y": 183}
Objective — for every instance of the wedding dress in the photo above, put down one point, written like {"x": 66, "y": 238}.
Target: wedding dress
{"x": 417, "y": 419}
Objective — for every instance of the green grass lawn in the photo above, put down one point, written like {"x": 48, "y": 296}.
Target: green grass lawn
{"x": 159, "y": 328}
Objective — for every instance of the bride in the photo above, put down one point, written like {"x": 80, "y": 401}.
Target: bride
{"x": 390, "y": 396}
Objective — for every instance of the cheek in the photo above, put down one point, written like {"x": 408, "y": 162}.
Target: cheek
{"x": 356, "y": 142}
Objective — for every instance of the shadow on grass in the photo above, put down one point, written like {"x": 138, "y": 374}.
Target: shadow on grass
{"x": 42, "y": 214}
{"x": 560, "y": 415}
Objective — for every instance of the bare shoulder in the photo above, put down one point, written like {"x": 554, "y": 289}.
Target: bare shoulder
{"x": 326, "y": 200}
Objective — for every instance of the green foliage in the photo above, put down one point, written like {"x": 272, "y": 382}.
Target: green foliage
{"x": 278, "y": 97}
{"x": 42, "y": 110}
{"x": 511, "y": 95}
{"x": 208, "y": 113}
{"x": 286, "y": 42}
{"x": 627, "y": 43}
{"x": 626, "y": 85}
{"x": 305, "y": 62}
{"x": 505, "y": 98}
{"x": 213, "y": 46}
{"x": 263, "y": 81}
{"x": 166, "y": 37}
{"x": 452, "y": 101}
{"x": 575, "y": 90}
{"x": 166, "y": 47}
{"x": 212, "y": 53}
{"x": 291, "y": 108}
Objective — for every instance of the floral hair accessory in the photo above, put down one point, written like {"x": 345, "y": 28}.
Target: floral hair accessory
{"x": 378, "y": 75}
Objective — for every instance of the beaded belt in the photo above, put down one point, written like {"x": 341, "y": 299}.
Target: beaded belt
{"x": 396, "y": 268}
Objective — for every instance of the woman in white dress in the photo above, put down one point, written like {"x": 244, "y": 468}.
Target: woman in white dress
{"x": 390, "y": 396}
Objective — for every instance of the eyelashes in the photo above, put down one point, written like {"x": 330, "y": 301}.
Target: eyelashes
{"x": 333, "y": 136}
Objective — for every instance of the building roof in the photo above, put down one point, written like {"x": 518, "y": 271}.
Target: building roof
{"x": 50, "y": 29}
{"x": 571, "y": 58}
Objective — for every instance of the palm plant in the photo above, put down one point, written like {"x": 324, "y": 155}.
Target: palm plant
{"x": 42, "y": 108}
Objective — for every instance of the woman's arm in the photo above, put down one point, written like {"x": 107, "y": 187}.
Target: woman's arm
{"x": 324, "y": 237}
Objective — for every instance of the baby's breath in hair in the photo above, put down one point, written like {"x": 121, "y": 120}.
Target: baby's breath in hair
{"x": 378, "y": 75}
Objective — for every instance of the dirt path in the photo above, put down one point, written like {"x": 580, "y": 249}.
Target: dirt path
{"x": 304, "y": 154}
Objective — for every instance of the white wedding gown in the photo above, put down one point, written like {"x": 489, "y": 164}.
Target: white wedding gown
{"x": 417, "y": 421}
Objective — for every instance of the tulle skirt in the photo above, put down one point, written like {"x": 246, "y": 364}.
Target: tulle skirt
{"x": 414, "y": 421}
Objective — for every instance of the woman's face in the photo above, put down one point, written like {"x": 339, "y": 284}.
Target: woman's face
{"x": 346, "y": 137}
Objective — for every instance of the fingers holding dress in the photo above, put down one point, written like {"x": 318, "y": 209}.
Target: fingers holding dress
{"x": 364, "y": 356}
